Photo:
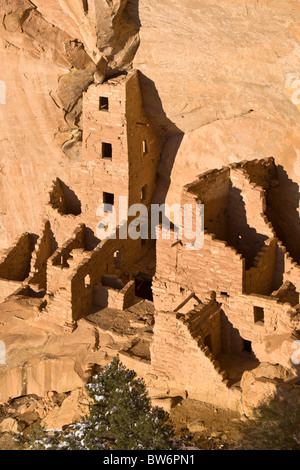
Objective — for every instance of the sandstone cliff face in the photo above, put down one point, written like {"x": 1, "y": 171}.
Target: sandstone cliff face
{"x": 229, "y": 74}
{"x": 225, "y": 75}
{"x": 49, "y": 53}
{"x": 219, "y": 60}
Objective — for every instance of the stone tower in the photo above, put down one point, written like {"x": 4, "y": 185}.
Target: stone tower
{"x": 121, "y": 150}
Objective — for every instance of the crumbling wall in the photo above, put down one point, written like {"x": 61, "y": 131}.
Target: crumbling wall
{"x": 291, "y": 271}
{"x": 59, "y": 278}
{"x": 276, "y": 322}
{"x": 232, "y": 342}
{"x": 62, "y": 254}
{"x": 287, "y": 293}
{"x": 260, "y": 172}
{"x": 56, "y": 197}
{"x": 63, "y": 199}
{"x": 73, "y": 272}
{"x": 44, "y": 248}
{"x": 253, "y": 200}
{"x": 283, "y": 211}
{"x": 15, "y": 263}
{"x": 259, "y": 278}
{"x": 247, "y": 231}
{"x": 205, "y": 322}
{"x": 119, "y": 299}
{"x": 211, "y": 189}
{"x": 215, "y": 267}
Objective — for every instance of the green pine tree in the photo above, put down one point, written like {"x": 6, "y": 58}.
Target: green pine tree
{"x": 120, "y": 418}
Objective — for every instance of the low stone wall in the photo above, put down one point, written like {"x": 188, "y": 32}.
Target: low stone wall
{"x": 119, "y": 299}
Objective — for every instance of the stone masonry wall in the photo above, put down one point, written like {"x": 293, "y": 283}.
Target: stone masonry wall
{"x": 70, "y": 285}
{"x": 59, "y": 278}
{"x": 259, "y": 278}
{"x": 254, "y": 201}
{"x": 183, "y": 368}
{"x": 211, "y": 189}
{"x": 119, "y": 299}
{"x": 292, "y": 270}
{"x": 57, "y": 198}
{"x": 15, "y": 263}
{"x": 206, "y": 321}
{"x": 102, "y": 126}
{"x": 240, "y": 312}
{"x": 133, "y": 147}
{"x": 44, "y": 248}
{"x": 215, "y": 267}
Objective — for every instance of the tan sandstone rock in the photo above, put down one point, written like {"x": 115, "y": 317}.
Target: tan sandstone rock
{"x": 9, "y": 425}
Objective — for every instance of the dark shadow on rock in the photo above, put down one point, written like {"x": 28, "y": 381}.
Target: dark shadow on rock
{"x": 73, "y": 205}
{"x": 167, "y": 160}
{"x": 91, "y": 241}
{"x": 169, "y": 132}
{"x": 132, "y": 11}
{"x": 154, "y": 109}
{"x": 245, "y": 239}
{"x": 282, "y": 211}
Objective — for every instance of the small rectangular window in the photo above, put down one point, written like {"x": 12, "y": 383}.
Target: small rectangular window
{"x": 103, "y": 103}
{"x": 225, "y": 294}
{"x": 259, "y": 315}
{"x": 106, "y": 150}
{"x": 108, "y": 201}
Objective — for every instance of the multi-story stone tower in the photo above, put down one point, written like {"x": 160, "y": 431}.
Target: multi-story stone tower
{"x": 121, "y": 150}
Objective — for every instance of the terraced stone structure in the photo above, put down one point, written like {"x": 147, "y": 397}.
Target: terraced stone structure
{"x": 194, "y": 323}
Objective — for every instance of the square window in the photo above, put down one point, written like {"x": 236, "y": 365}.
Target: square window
{"x": 103, "y": 103}
{"x": 106, "y": 150}
{"x": 259, "y": 315}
